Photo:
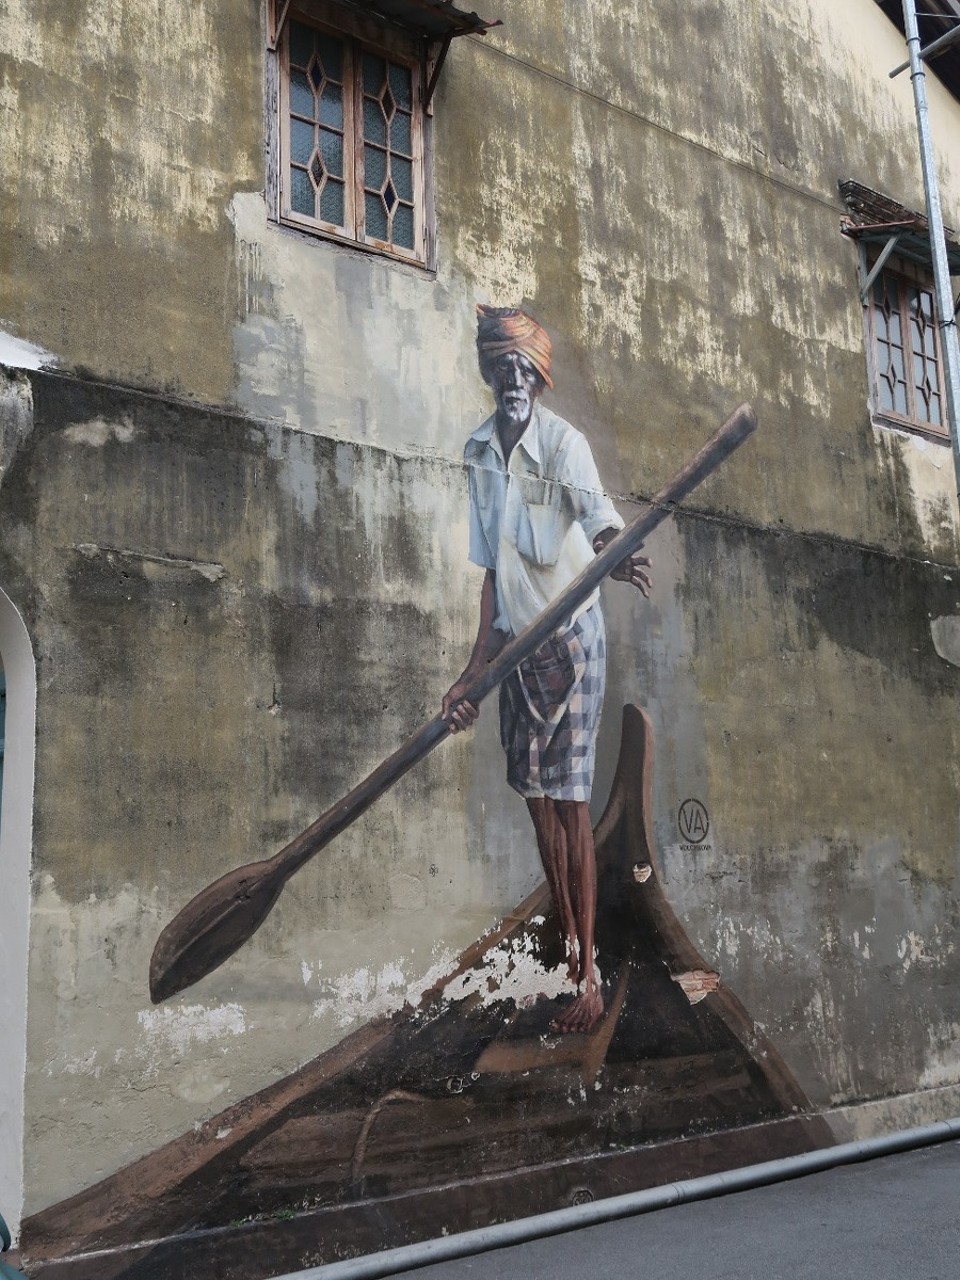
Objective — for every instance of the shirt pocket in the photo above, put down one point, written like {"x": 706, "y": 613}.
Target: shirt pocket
{"x": 540, "y": 525}
{"x": 489, "y": 490}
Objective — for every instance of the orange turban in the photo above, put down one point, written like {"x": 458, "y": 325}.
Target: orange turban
{"x": 503, "y": 329}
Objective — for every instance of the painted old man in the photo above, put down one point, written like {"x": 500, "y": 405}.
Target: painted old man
{"x": 538, "y": 515}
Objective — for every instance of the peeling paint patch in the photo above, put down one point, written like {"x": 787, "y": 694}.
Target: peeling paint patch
{"x": 863, "y": 947}
{"x": 15, "y": 353}
{"x": 511, "y": 971}
{"x": 758, "y": 938}
{"x": 912, "y": 949}
{"x": 368, "y": 993}
{"x": 178, "y": 1029}
{"x": 97, "y": 432}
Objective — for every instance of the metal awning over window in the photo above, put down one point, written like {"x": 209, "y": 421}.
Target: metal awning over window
{"x": 878, "y": 220}
{"x": 434, "y": 19}
{"x": 432, "y": 23}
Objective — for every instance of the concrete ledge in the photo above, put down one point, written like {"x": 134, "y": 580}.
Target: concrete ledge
{"x": 863, "y": 1120}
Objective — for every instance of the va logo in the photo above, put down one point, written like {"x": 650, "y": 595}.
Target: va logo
{"x": 693, "y": 821}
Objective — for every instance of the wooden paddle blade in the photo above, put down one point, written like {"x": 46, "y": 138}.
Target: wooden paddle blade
{"x": 212, "y": 926}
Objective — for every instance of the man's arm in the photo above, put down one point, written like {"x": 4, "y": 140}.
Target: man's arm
{"x": 487, "y": 645}
{"x": 597, "y": 515}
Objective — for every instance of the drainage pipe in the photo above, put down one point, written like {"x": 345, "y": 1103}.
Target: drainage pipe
{"x": 504, "y": 1234}
{"x": 947, "y": 316}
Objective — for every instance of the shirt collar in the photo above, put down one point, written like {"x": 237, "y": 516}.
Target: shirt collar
{"x": 530, "y": 440}
{"x": 486, "y": 437}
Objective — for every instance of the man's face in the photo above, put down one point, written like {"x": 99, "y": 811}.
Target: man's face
{"x": 515, "y": 384}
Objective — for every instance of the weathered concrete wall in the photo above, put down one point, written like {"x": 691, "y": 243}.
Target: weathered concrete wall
{"x": 237, "y": 611}
{"x": 672, "y": 238}
{"x": 126, "y": 127}
{"x": 233, "y": 626}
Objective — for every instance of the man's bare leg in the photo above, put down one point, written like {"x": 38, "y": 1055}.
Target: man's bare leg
{"x": 574, "y": 817}
{"x": 552, "y": 843}
{"x": 565, "y": 841}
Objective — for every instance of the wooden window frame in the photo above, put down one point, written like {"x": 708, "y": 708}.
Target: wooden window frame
{"x": 904, "y": 273}
{"x": 358, "y": 36}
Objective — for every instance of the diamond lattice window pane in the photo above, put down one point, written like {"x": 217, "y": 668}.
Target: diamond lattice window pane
{"x": 402, "y": 173}
{"x": 401, "y": 86}
{"x": 374, "y": 125}
{"x": 301, "y": 44}
{"x": 331, "y": 202}
{"x": 401, "y": 134}
{"x": 331, "y": 148}
{"x": 899, "y": 390}
{"x": 301, "y": 141}
{"x": 374, "y": 168}
{"x": 302, "y": 100}
{"x": 374, "y": 72}
{"x": 403, "y": 227}
{"x": 376, "y": 217}
{"x": 331, "y": 106}
{"x": 331, "y": 55}
{"x": 302, "y": 199}
{"x": 881, "y": 322}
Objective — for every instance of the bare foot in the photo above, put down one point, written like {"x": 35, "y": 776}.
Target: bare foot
{"x": 582, "y": 1015}
{"x": 573, "y": 964}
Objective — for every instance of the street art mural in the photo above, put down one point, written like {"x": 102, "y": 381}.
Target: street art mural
{"x": 580, "y": 1047}
{"x": 247, "y": 558}
{"x": 538, "y": 515}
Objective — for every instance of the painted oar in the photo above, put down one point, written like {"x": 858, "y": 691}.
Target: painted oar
{"x": 220, "y": 919}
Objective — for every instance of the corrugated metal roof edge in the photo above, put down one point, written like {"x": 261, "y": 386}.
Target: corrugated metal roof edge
{"x": 437, "y": 19}
{"x": 875, "y": 207}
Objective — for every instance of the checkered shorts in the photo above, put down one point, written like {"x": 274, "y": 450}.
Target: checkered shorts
{"x": 550, "y": 712}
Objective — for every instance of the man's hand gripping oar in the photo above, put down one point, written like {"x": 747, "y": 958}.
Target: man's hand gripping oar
{"x": 220, "y": 919}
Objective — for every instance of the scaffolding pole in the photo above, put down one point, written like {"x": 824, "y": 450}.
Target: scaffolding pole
{"x": 947, "y": 319}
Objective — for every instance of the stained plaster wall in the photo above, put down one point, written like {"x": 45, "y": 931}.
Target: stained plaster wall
{"x": 238, "y": 610}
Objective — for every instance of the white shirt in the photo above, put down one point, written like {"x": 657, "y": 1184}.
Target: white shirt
{"x": 533, "y": 521}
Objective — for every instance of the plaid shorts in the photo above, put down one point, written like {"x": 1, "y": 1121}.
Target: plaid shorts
{"x": 550, "y": 712}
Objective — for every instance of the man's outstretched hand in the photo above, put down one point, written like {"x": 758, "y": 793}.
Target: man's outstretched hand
{"x": 632, "y": 570}
{"x": 456, "y": 708}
